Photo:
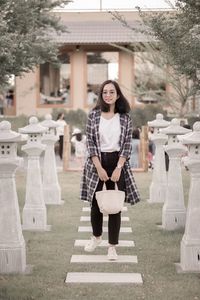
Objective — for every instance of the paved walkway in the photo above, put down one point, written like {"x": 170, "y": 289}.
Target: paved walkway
{"x": 103, "y": 277}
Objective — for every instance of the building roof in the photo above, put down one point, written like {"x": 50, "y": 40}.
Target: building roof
{"x": 105, "y": 32}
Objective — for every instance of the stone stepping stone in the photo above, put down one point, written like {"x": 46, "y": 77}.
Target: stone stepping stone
{"x": 81, "y": 277}
{"x": 87, "y": 219}
{"x": 88, "y": 208}
{"x": 103, "y": 259}
{"x": 105, "y": 229}
{"x": 104, "y": 243}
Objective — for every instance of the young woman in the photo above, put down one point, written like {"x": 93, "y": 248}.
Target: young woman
{"x": 60, "y": 131}
{"x": 108, "y": 133}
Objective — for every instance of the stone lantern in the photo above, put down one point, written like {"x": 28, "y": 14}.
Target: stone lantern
{"x": 12, "y": 244}
{"x": 34, "y": 212}
{"x": 174, "y": 212}
{"x": 51, "y": 187}
{"x": 159, "y": 179}
{"x": 190, "y": 244}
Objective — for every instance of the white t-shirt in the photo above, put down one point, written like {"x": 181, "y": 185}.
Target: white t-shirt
{"x": 109, "y": 131}
{"x": 60, "y": 128}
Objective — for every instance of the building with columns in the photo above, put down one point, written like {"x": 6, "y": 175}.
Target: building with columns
{"x": 94, "y": 48}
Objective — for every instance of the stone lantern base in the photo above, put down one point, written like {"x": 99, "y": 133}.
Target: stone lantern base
{"x": 190, "y": 257}
{"x": 173, "y": 219}
{"x": 157, "y": 193}
{"x": 52, "y": 195}
{"x": 13, "y": 259}
{"x": 35, "y": 219}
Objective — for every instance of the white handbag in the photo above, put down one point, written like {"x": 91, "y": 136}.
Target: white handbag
{"x": 110, "y": 201}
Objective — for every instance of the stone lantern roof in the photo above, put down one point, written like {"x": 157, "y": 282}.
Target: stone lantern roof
{"x": 159, "y": 122}
{"x": 48, "y": 122}
{"x": 174, "y": 128}
{"x": 6, "y": 134}
{"x": 33, "y": 127}
{"x": 192, "y": 138}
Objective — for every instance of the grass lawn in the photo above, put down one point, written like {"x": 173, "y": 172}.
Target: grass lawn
{"x": 50, "y": 253}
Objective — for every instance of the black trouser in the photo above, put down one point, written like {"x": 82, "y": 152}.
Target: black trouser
{"x": 109, "y": 162}
{"x": 61, "y": 146}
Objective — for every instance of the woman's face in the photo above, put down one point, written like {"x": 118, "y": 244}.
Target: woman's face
{"x": 109, "y": 94}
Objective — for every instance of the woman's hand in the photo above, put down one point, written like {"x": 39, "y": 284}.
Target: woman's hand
{"x": 116, "y": 175}
{"x": 102, "y": 174}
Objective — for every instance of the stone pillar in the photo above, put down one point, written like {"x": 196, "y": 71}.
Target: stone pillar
{"x": 34, "y": 212}
{"x": 51, "y": 187}
{"x": 174, "y": 212}
{"x": 12, "y": 244}
{"x": 190, "y": 244}
{"x": 127, "y": 75}
{"x": 27, "y": 91}
{"x": 78, "y": 62}
{"x": 66, "y": 148}
{"x": 159, "y": 181}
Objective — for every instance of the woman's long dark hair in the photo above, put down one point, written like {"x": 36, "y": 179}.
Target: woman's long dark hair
{"x": 121, "y": 105}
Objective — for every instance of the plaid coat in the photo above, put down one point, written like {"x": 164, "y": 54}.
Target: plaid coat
{"x": 90, "y": 176}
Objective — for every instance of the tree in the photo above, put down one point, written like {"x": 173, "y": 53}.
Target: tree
{"x": 174, "y": 49}
{"x": 179, "y": 34}
{"x": 25, "y": 41}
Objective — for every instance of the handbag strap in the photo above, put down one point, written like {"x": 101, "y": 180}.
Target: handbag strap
{"x": 104, "y": 186}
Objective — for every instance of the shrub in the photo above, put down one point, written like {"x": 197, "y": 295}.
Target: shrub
{"x": 140, "y": 116}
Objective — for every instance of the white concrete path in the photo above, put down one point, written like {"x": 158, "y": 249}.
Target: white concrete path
{"x": 81, "y": 277}
{"x": 103, "y": 259}
{"x": 104, "y": 243}
{"x": 103, "y": 277}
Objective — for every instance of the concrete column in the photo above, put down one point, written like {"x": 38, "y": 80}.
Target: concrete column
{"x": 12, "y": 244}
{"x": 51, "y": 187}
{"x": 190, "y": 244}
{"x": 159, "y": 181}
{"x": 27, "y": 91}
{"x": 174, "y": 212}
{"x": 127, "y": 75}
{"x": 78, "y": 62}
{"x": 34, "y": 212}
{"x": 66, "y": 148}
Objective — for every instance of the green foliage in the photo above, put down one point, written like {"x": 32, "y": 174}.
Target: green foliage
{"x": 75, "y": 118}
{"x": 24, "y": 38}
{"x": 140, "y": 116}
{"x": 179, "y": 34}
{"x": 17, "y": 122}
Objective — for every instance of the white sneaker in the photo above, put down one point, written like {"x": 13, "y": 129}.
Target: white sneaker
{"x": 112, "y": 254}
{"x": 92, "y": 244}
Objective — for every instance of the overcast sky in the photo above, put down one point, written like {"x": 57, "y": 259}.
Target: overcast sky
{"x": 118, "y": 4}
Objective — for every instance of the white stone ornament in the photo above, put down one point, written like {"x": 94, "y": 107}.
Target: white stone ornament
{"x": 174, "y": 212}
{"x": 190, "y": 244}
{"x": 34, "y": 214}
{"x": 159, "y": 179}
{"x": 12, "y": 244}
{"x": 51, "y": 187}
